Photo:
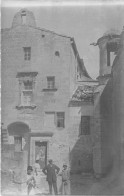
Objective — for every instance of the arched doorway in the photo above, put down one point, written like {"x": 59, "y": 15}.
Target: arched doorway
{"x": 18, "y": 131}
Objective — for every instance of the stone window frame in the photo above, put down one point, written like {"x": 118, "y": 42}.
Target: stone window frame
{"x": 60, "y": 120}
{"x": 23, "y": 17}
{"x": 50, "y": 82}
{"x": 27, "y": 53}
{"x": 85, "y": 125}
{"x": 26, "y": 101}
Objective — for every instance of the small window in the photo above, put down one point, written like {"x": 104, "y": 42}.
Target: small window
{"x": 23, "y": 16}
{"x": 27, "y": 53}
{"x": 85, "y": 125}
{"x": 43, "y": 35}
{"x": 60, "y": 119}
{"x": 18, "y": 143}
{"x": 57, "y": 53}
{"x": 51, "y": 82}
{"x": 79, "y": 162}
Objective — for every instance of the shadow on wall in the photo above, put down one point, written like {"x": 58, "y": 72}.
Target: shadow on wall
{"x": 81, "y": 155}
{"x": 81, "y": 158}
{"x": 81, "y": 165}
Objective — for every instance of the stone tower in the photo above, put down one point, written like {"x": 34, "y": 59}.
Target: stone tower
{"x": 108, "y": 46}
{"x": 24, "y": 17}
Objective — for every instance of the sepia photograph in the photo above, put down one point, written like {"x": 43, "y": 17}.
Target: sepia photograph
{"x": 62, "y": 97}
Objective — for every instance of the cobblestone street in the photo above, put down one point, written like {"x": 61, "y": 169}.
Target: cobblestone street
{"x": 82, "y": 185}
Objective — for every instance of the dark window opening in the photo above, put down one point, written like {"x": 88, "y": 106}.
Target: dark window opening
{"x": 57, "y": 53}
{"x": 28, "y": 85}
{"x": 85, "y": 125}
{"x": 79, "y": 162}
{"x": 112, "y": 48}
{"x": 43, "y": 35}
{"x": 50, "y": 82}
{"x": 27, "y": 53}
{"x": 60, "y": 119}
{"x": 23, "y": 16}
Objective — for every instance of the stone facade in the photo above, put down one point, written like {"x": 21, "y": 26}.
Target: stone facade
{"x": 51, "y": 108}
{"x": 118, "y": 106}
{"x": 50, "y": 66}
{"x": 110, "y": 102}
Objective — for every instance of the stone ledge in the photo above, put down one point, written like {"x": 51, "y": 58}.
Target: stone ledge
{"x": 26, "y": 107}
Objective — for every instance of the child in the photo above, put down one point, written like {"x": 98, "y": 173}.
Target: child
{"x": 65, "y": 180}
{"x": 30, "y": 180}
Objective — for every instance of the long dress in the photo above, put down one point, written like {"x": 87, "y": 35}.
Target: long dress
{"x": 30, "y": 184}
{"x": 37, "y": 175}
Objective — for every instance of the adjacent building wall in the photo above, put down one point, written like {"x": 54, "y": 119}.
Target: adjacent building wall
{"x": 118, "y": 105}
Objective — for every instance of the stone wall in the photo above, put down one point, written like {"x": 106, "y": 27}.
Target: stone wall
{"x": 106, "y": 128}
{"x": 118, "y": 106}
{"x": 14, "y": 169}
{"x": 44, "y": 45}
{"x": 81, "y": 154}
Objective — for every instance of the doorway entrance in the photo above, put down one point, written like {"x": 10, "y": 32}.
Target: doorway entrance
{"x": 41, "y": 153}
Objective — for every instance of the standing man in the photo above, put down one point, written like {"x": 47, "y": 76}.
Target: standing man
{"x": 65, "y": 180}
{"x": 51, "y": 170}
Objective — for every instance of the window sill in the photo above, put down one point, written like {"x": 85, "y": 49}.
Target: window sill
{"x": 60, "y": 128}
{"x": 49, "y": 90}
{"x": 32, "y": 107}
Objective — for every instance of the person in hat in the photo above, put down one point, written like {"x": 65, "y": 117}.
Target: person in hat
{"x": 51, "y": 170}
{"x": 31, "y": 183}
{"x": 65, "y": 174}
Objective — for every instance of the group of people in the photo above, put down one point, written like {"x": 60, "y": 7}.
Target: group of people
{"x": 51, "y": 171}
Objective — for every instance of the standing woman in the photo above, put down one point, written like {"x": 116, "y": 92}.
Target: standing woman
{"x": 31, "y": 183}
{"x": 37, "y": 172}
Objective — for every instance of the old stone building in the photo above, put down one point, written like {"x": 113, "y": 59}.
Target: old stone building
{"x": 110, "y": 102}
{"x": 51, "y": 108}
{"x": 41, "y": 70}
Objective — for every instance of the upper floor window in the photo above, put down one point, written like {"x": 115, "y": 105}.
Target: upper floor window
{"x": 52, "y": 119}
{"x": 57, "y": 53}
{"x": 51, "y": 82}
{"x": 26, "y": 87}
{"x": 60, "y": 119}
{"x": 27, "y": 53}
{"x": 85, "y": 125}
{"x": 26, "y": 98}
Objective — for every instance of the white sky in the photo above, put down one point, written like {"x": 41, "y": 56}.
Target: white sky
{"x": 86, "y": 23}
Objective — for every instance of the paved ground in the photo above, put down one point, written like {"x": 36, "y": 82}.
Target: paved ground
{"x": 82, "y": 185}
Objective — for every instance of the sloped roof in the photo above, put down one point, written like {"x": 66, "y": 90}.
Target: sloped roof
{"x": 80, "y": 61}
{"x": 81, "y": 65}
{"x": 83, "y": 93}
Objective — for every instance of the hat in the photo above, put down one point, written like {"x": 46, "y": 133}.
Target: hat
{"x": 50, "y": 160}
{"x": 30, "y": 168}
{"x": 64, "y": 164}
